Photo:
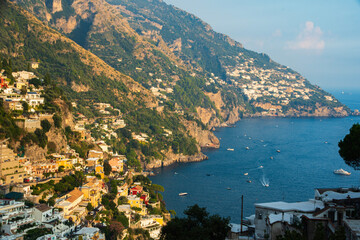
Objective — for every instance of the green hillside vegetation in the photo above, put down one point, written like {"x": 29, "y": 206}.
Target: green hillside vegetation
{"x": 61, "y": 65}
{"x": 121, "y": 50}
{"x": 176, "y": 53}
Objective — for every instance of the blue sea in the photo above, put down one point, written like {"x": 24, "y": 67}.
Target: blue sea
{"x": 307, "y": 157}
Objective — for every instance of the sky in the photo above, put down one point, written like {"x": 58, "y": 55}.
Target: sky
{"x": 319, "y": 39}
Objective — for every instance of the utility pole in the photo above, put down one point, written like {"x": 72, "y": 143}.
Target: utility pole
{"x": 242, "y": 208}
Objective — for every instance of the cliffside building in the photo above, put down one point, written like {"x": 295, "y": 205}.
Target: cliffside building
{"x": 10, "y": 169}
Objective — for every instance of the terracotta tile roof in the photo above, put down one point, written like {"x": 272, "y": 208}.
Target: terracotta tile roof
{"x": 115, "y": 162}
{"x": 74, "y": 195}
{"x": 42, "y": 207}
{"x": 137, "y": 188}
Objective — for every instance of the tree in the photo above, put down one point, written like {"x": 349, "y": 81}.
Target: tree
{"x": 173, "y": 213}
{"x": 57, "y": 120}
{"x": 293, "y": 235}
{"x": 23, "y": 90}
{"x": 46, "y": 125}
{"x": 25, "y": 106}
{"x": 33, "y": 234}
{"x": 107, "y": 168}
{"x": 115, "y": 230}
{"x": 197, "y": 225}
{"x": 339, "y": 234}
{"x": 157, "y": 188}
{"x": 89, "y": 207}
{"x": 51, "y": 202}
{"x": 319, "y": 232}
{"x": 350, "y": 147}
{"x": 61, "y": 169}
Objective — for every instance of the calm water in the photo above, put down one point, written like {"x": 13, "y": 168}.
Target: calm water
{"x": 308, "y": 156}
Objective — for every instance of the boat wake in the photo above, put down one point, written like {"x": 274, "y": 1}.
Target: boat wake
{"x": 265, "y": 181}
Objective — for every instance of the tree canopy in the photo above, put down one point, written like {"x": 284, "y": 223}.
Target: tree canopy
{"x": 350, "y": 147}
{"x": 197, "y": 224}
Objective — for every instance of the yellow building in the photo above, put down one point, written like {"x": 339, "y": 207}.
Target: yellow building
{"x": 70, "y": 202}
{"x": 92, "y": 190}
{"x": 123, "y": 190}
{"x": 136, "y": 202}
{"x": 99, "y": 169}
{"x": 11, "y": 170}
{"x": 158, "y": 219}
{"x": 65, "y": 162}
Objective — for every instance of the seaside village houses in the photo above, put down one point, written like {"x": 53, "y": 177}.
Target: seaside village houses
{"x": 68, "y": 215}
{"x": 330, "y": 210}
{"x": 66, "y": 218}
{"x": 27, "y": 184}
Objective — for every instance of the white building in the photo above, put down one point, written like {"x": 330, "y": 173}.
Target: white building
{"x": 13, "y": 215}
{"x": 89, "y": 233}
{"x": 34, "y": 99}
{"x": 267, "y": 214}
{"x": 45, "y": 214}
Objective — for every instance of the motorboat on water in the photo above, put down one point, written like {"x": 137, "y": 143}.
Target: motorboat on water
{"x": 246, "y": 174}
{"x": 278, "y": 151}
{"x": 247, "y": 148}
{"x": 342, "y": 172}
{"x": 266, "y": 185}
{"x": 230, "y": 149}
{"x": 183, "y": 194}
{"x": 228, "y": 188}
{"x": 249, "y": 181}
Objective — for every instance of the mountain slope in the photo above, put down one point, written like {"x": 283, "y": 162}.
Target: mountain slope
{"x": 86, "y": 80}
{"x": 187, "y": 65}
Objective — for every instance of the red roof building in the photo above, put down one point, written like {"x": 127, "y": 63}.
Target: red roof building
{"x": 135, "y": 190}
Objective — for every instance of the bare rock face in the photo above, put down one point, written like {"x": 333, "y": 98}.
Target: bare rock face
{"x": 205, "y": 138}
{"x": 35, "y": 153}
{"x": 57, "y": 6}
{"x": 67, "y": 117}
{"x": 58, "y": 138}
{"x": 172, "y": 158}
{"x": 208, "y": 117}
{"x": 79, "y": 87}
{"x": 176, "y": 46}
{"x": 66, "y": 25}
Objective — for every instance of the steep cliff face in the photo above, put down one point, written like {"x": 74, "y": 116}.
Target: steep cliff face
{"x": 171, "y": 158}
{"x": 205, "y": 138}
{"x": 57, "y": 140}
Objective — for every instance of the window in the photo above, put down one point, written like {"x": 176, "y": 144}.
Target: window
{"x": 258, "y": 215}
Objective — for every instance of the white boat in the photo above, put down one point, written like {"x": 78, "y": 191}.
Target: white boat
{"x": 278, "y": 150}
{"x": 230, "y": 149}
{"x": 246, "y": 174}
{"x": 183, "y": 194}
{"x": 247, "y": 148}
{"x": 342, "y": 172}
{"x": 266, "y": 185}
